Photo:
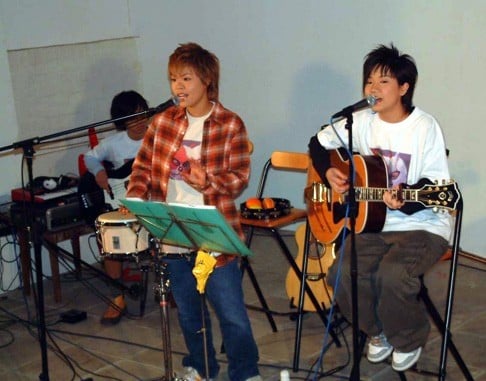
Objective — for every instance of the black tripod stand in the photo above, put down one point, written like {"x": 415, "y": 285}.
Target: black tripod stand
{"x": 353, "y": 210}
{"x": 162, "y": 292}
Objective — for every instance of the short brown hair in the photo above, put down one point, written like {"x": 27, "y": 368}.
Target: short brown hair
{"x": 202, "y": 61}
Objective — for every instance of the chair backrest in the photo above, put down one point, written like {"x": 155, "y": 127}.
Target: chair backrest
{"x": 296, "y": 161}
{"x": 283, "y": 160}
{"x": 81, "y": 165}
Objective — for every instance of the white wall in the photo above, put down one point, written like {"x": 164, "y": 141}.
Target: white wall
{"x": 60, "y": 65}
{"x": 286, "y": 67}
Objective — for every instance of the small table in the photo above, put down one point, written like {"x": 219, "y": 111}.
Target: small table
{"x": 71, "y": 233}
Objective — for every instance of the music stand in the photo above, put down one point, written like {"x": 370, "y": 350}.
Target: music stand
{"x": 197, "y": 227}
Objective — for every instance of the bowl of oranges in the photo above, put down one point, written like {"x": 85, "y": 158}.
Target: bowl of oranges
{"x": 264, "y": 208}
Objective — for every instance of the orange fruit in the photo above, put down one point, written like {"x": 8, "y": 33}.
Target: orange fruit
{"x": 253, "y": 203}
{"x": 268, "y": 203}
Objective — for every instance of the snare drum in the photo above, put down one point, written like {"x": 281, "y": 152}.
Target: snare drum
{"x": 121, "y": 234}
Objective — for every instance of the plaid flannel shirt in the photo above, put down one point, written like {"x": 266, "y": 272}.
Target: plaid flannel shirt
{"x": 224, "y": 153}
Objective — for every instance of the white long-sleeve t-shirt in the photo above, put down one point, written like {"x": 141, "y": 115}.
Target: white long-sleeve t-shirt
{"x": 117, "y": 149}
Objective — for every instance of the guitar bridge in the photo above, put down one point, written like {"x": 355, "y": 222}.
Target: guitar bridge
{"x": 314, "y": 277}
{"x": 318, "y": 193}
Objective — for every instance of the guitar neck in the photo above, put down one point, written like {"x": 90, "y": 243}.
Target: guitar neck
{"x": 118, "y": 188}
{"x": 430, "y": 195}
{"x": 376, "y": 194}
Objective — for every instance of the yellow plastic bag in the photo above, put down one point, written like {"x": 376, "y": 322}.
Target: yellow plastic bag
{"x": 203, "y": 267}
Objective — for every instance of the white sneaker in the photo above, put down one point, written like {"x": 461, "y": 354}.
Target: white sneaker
{"x": 378, "y": 348}
{"x": 191, "y": 374}
{"x": 405, "y": 360}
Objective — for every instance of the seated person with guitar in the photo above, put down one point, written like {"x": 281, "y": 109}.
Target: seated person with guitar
{"x": 412, "y": 237}
{"x": 110, "y": 164}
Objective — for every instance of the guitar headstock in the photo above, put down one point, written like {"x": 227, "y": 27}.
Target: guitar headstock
{"x": 445, "y": 195}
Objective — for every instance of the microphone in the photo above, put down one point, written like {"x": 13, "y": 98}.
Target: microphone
{"x": 369, "y": 101}
{"x": 174, "y": 101}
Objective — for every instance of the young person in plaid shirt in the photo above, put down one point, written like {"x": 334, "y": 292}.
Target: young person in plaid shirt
{"x": 197, "y": 153}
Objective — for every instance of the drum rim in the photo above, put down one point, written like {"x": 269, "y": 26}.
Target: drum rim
{"x": 120, "y": 223}
{"x": 127, "y": 217}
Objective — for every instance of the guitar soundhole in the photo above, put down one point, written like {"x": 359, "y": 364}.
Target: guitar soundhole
{"x": 316, "y": 250}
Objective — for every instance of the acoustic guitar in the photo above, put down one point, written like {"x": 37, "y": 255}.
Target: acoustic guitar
{"x": 327, "y": 210}
{"x": 320, "y": 258}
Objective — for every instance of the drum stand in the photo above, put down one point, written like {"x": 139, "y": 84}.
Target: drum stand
{"x": 162, "y": 291}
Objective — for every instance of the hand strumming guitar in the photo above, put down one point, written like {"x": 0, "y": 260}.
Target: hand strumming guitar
{"x": 102, "y": 180}
{"x": 338, "y": 180}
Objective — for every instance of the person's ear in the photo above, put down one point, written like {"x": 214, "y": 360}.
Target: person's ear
{"x": 404, "y": 88}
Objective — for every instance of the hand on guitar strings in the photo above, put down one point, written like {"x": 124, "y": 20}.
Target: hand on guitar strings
{"x": 393, "y": 197}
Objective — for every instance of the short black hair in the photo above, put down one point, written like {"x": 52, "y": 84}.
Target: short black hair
{"x": 126, "y": 103}
{"x": 400, "y": 66}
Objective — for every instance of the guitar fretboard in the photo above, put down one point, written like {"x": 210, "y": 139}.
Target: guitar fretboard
{"x": 432, "y": 195}
{"x": 376, "y": 194}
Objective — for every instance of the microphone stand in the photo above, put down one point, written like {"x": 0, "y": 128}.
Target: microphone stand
{"x": 353, "y": 211}
{"x": 27, "y": 146}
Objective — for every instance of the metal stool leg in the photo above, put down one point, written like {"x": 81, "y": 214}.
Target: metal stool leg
{"x": 245, "y": 265}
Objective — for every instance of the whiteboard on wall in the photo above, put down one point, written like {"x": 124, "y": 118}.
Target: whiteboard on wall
{"x": 58, "y": 89}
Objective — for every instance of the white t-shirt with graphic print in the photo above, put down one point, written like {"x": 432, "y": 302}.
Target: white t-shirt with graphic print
{"x": 412, "y": 149}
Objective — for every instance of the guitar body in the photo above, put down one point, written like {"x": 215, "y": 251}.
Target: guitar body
{"x": 327, "y": 209}
{"x": 320, "y": 258}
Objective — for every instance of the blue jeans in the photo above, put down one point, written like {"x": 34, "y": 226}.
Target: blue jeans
{"x": 224, "y": 292}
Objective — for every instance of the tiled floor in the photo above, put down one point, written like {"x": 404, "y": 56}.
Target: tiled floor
{"x": 132, "y": 350}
